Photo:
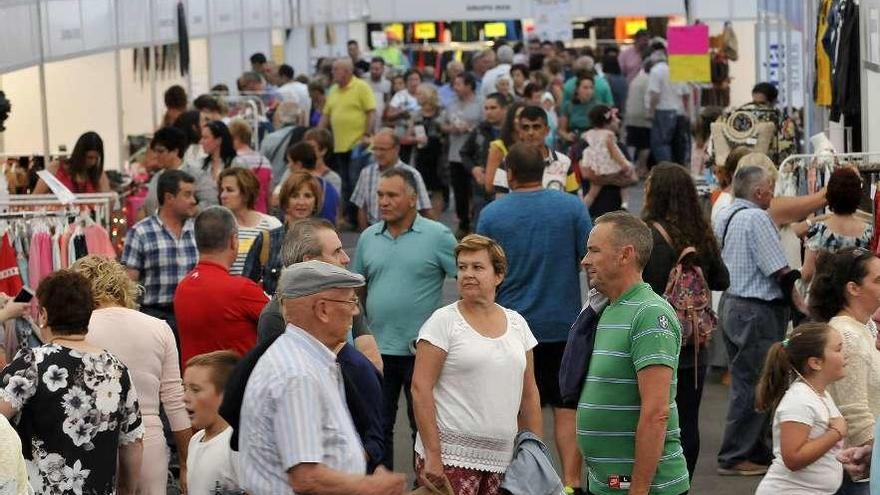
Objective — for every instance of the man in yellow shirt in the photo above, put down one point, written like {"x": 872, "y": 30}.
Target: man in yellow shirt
{"x": 348, "y": 113}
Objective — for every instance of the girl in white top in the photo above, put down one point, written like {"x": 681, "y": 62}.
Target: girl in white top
{"x": 473, "y": 383}
{"x": 239, "y": 189}
{"x": 808, "y": 429}
{"x": 602, "y": 156}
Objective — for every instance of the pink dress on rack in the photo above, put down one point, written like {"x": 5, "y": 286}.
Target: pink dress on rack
{"x": 98, "y": 241}
{"x": 40, "y": 258}
{"x": 146, "y": 346}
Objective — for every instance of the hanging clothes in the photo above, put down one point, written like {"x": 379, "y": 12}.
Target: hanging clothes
{"x": 40, "y": 257}
{"x": 98, "y": 241}
{"x": 10, "y": 276}
{"x": 822, "y": 88}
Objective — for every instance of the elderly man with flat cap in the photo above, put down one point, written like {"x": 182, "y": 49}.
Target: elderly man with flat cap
{"x": 296, "y": 433}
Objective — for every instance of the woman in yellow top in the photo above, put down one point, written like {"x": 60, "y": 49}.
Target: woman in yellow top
{"x": 498, "y": 148}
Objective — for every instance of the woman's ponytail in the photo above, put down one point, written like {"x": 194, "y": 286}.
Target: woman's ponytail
{"x": 775, "y": 378}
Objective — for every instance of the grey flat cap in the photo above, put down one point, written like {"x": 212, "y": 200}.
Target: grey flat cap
{"x": 311, "y": 277}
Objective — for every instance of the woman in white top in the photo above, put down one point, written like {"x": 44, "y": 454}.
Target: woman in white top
{"x": 808, "y": 429}
{"x": 239, "y": 189}
{"x": 146, "y": 345}
{"x": 473, "y": 384}
{"x": 13, "y": 472}
{"x": 846, "y": 292}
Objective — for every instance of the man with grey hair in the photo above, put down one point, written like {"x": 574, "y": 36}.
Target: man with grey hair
{"x": 405, "y": 259}
{"x": 288, "y": 132}
{"x": 216, "y": 310}
{"x": 306, "y": 240}
{"x": 626, "y": 429}
{"x": 386, "y": 155}
{"x": 447, "y": 92}
{"x": 754, "y": 313}
{"x": 297, "y": 434}
{"x": 481, "y": 63}
{"x": 348, "y": 113}
{"x": 505, "y": 60}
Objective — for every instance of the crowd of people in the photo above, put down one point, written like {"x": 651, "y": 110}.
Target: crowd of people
{"x": 237, "y": 342}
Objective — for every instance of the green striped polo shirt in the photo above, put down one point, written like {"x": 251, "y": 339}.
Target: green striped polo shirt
{"x": 637, "y": 330}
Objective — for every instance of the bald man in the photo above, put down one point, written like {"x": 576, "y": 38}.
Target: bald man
{"x": 348, "y": 112}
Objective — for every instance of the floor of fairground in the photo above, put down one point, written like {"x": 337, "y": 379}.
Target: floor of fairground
{"x": 712, "y": 413}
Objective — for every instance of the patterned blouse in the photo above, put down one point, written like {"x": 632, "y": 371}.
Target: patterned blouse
{"x": 821, "y": 238}
{"x": 76, "y": 408}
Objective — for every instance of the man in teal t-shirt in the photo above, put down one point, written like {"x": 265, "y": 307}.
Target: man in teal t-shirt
{"x": 627, "y": 421}
{"x": 405, "y": 259}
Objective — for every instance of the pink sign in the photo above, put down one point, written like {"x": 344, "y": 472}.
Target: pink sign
{"x": 688, "y": 40}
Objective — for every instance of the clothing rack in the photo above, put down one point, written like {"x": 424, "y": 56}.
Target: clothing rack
{"x": 102, "y": 205}
{"x": 864, "y": 162}
{"x": 248, "y": 106}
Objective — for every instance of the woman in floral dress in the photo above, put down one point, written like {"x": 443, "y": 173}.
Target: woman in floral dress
{"x": 73, "y": 403}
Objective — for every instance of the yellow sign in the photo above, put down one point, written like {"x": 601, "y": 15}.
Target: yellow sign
{"x": 495, "y": 29}
{"x": 394, "y": 31}
{"x": 424, "y": 30}
{"x": 690, "y": 68}
{"x": 632, "y": 27}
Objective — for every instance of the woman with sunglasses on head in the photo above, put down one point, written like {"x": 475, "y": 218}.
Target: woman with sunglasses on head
{"x": 842, "y": 228}
{"x": 845, "y": 293}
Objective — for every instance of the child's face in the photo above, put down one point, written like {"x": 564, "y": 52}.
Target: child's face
{"x": 200, "y": 397}
{"x": 834, "y": 366}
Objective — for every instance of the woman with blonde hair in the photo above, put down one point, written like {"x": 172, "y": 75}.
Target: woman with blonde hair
{"x": 146, "y": 346}
{"x": 426, "y": 134}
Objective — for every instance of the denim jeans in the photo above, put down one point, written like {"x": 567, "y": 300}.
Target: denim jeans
{"x": 398, "y": 371}
{"x": 750, "y": 327}
{"x": 663, "y": 134}
{"x": 850, "y": 487}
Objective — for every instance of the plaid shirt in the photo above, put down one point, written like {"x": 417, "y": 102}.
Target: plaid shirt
{"x": 161, "y": 258}
{"x": 751, "y": 250}
{"x": 365, "y": 194}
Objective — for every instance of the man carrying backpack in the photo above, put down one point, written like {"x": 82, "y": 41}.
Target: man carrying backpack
{"x": 685, "y": 266}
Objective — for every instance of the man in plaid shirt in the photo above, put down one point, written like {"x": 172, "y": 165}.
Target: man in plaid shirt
{"x": 161, "y": 249}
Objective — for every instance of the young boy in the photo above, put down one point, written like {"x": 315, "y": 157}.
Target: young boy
{"x": 212, "y": 466}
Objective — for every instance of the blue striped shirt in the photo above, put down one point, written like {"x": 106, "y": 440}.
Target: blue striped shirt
{"x": 751, "y": 250}
{"x": 294, "y": 412}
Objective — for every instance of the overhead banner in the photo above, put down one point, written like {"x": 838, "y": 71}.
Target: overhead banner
{"x": 21, "y": 46}
{"x": 552, "y": 19}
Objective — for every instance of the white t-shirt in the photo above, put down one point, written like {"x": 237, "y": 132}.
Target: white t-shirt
{"x": 402, "y": 100}
{"x": 211, "y": 463}
{"x": 801, "y": 405}
{"x": 477, "y": 396}
{"x": 556, "y": 167}
{"x": 670, "y": 92}
{"x": 723, "y": 200}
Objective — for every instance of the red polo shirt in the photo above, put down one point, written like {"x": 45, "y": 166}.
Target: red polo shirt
{"x": 216, "y": 311}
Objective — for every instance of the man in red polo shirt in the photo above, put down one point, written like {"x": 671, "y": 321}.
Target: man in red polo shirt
{"x": 215, "y": 310}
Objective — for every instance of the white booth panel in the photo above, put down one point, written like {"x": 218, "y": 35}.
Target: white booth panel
{"x": 280, "y": 14}
{"x": 24, "y": 128}
{"x": 225, "y": 16}
{"x": 724, "y": 10}
{"x": 477, "y": 10}
{"x": 99, "y": 31}
{"x": 164, "y": 21}
{"x": 606, "y": 8}
{"x": 137, "y": 114}
{"x": 19, "y": 36}
{"x": 198, "y": 66}
{"x": 134, "y": 22}
{"x": 62, "y": 28}
{"x": 79, "y": 98}
{"x": 223, "y": 52}
{"x": 197, "y": 18}
{"x": 296, "y": 50}
{"x": 255, "y": 14}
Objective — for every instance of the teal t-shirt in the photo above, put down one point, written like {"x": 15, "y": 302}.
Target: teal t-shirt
{"x": 404, "y": 279}
{"x": 637, "y": 330}
{"x": 578, "y": 114}
{"x": 601, "y": 90}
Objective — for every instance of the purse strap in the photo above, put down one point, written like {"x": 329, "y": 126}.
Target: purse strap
{"x": 684, "y": 252}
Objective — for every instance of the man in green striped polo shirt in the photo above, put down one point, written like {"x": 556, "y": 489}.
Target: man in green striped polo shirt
{"x": 627, "y": 422}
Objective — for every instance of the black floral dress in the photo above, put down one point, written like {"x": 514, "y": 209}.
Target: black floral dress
{"x": 75, "y": 409}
